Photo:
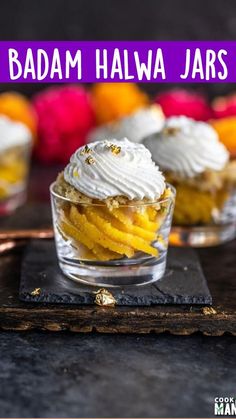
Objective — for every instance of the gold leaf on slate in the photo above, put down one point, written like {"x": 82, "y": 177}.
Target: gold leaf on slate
{"x": 36, "y": 291}
{"x": 104, "y": 298}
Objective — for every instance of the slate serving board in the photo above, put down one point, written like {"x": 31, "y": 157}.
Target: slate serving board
{"x": 183, "y": 283}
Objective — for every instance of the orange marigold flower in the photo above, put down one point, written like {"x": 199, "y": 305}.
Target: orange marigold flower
{"x": 226, "y": 129}
{"x": 115, "y": 100}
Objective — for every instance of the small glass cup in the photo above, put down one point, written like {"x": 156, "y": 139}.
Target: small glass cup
{"x": 219, "y": 212}
{"x": 113, "y": 247}
{"x": 14, "y": 169}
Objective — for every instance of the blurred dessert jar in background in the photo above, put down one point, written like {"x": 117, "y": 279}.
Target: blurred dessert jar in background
{"x": 143, "y": 122}
{"x": 15, "y": 151}
{"x": 18, "y": 108}
{"x": 195, "y": 161}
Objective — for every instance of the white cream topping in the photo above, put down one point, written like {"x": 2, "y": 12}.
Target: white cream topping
{"x": 13, "y": 133}
{"x": 111, "y": 168}
{"x": 187, "y": 147}
{"x": 142, "y": 123}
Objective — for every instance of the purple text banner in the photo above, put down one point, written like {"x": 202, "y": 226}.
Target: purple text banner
{"x": 115, "y": 61}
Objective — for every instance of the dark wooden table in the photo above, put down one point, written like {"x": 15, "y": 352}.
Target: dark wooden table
{"x": 62, "y": 374}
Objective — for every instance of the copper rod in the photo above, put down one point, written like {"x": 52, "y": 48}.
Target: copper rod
{"x": 46, "y": 233}
{"x": 8, "y": 245}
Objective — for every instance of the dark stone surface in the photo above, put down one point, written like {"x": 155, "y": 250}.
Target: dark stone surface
{"x": 68, "y": 375}
{"x": 183, "y": 283}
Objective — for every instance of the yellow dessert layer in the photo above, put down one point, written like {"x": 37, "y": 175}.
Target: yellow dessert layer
{"x": 124, "y": 222}
{"x": 13, "y": 170}
{"x": 93, "y": 249}
{"x": 109, "y": 234}
{"x": 3, "y": 192}
{"x": 193, "y": 206}
{"x": 142, "y": 220}
{"x": 96, "y": 235}
{"x": 113, "y": 233}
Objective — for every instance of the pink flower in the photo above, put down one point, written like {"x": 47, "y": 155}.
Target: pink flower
{"x": 65, "y": 115}
{"x": 183, "y": 102}
{"x": 224, "y": 106}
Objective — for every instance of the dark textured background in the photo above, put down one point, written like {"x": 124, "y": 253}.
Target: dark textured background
{"x": 119, "y": 20}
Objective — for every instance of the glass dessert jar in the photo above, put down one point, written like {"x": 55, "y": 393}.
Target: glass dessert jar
{"x": 214, "y": 214}
{"x": 15, "y": 151}
{"x": 112, "y": 245}
{"x": 197, "y": 164}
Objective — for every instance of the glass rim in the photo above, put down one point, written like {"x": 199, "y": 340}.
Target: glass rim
{"x": 127, "y": 205}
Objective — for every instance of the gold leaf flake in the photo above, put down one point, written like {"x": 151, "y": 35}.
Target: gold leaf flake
{"x": 104, "y": 298}
{"x": 171, "y": 131}
{"x": 115, "y": 149}
{"x": 36, "y": 291}
{"x": 208, "y": 311}
{"x": 89, "y": 160}
{"x": 85, "y": 150}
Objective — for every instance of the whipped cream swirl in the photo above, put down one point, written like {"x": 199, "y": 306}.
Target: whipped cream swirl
{"x": 107, "y": 169}
{"x": 13, "y": 133}
{"x": 187, "y": 147}
{"x": 140, "y": 124}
